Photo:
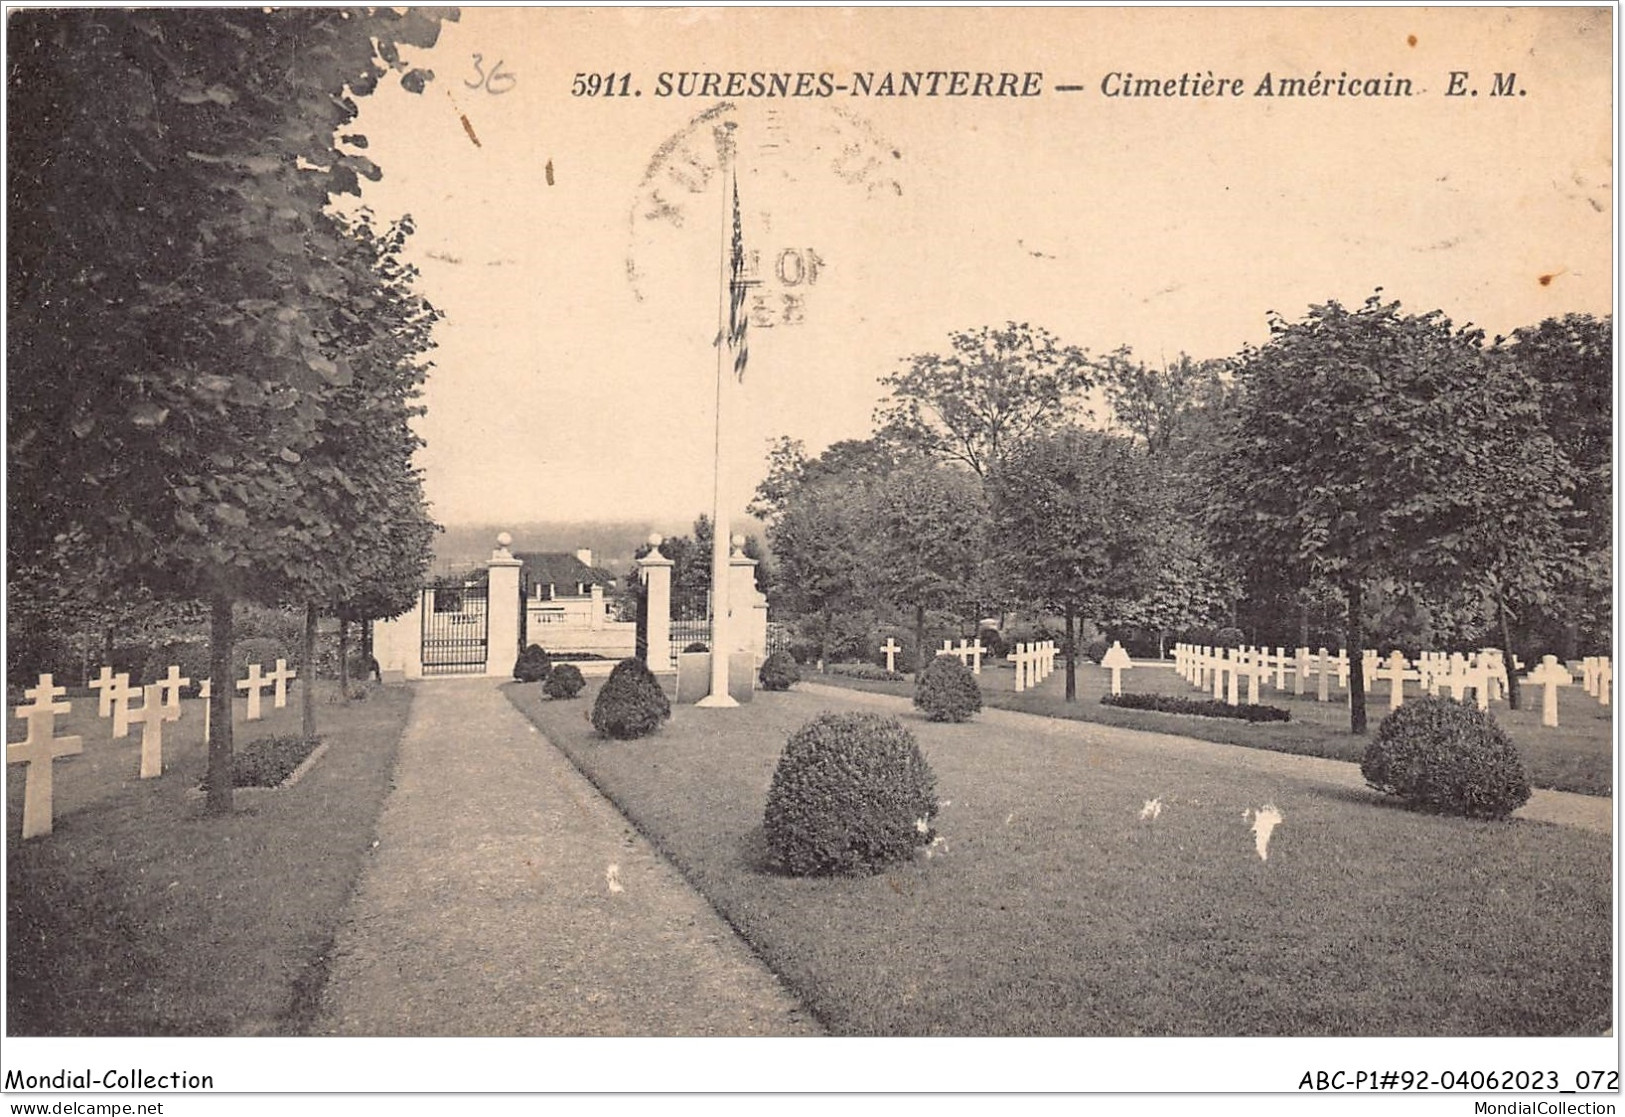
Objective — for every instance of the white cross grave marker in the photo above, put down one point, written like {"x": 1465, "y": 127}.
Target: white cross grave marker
{"x": 104, "y": 684}
{"x": 152, "y": 715}
{"x": 1456, "y": 680}
{"x": 281, "y": 677}
{"x": 1257, "y": 668}
{"x": 1300, "y": 671}
{"x": 1396, "y": 670}
{"x": 1550, "y": 675}
{"x": 1323, "y": 680}
{"x": 1281, "y": 662}
{"x": 1589, "y": 669}
{"x": 205, "y": 691}
{"x": 1431, "y": 666}
{"x": 1479, "y": 679}
{"x": 1495, "y": 665}
{"x": 253, "y": 685}
{"x": 1026, "y": 663}
{"x": 39, "y": 751}
{"x": 1116, "y": 661}
{"x": 119, "y": 700}
{"x": 975, "y": 651}
{"x": 171, "y": 685}
{"x": 1605, "y": 678}
{"x": 891, "y": 648}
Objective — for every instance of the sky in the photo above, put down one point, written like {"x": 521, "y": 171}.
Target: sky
{"x": 576, "y": 243}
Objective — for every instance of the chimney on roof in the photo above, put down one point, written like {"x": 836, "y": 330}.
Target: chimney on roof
{"x": 585, "y": 555}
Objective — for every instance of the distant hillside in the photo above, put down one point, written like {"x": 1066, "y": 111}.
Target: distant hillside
{"x": 613, "y": 543}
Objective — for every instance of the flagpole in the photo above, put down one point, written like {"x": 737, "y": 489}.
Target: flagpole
{"x": 719, "y": 698}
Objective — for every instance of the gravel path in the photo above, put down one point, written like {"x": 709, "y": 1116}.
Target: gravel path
{"x": 508, "y": 898}
{"x": 1589, "y": 812}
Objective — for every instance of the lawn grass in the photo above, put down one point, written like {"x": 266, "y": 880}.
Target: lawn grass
{"x": 1053, "y": 908}
{"x": 139, "y": 915}
{"x": 1576, "y": 756}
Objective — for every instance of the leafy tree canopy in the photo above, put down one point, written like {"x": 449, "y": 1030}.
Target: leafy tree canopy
{"x": 1069, "y": 518}
{"x": 992, "y": 391}
{"x": 1374, "y": 444}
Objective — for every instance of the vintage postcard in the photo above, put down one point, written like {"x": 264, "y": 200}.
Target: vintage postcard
{"x": 996, "y": 409}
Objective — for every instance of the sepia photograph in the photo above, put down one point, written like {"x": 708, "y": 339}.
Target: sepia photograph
{"x": 578, "y": 550}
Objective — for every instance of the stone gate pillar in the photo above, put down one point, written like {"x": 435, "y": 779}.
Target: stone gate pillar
{"x": 502, "y": 607}
{"x": 655, "y": 570}
{"x": 747, "y": 608}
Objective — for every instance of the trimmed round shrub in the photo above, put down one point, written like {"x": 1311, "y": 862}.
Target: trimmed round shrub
{"x": 564, "y": 681}
{"x": 1229, "y": 638}
{"x": 1096, "y": 650}
{"x": 779, "y": 672}
{"x": 696, "y": 646}
{"x": 992, "y": 643}
{"x": 533, "y": 664}
{"x": 947, "y": 691}
{"x": 631, "y": 703}
{"x": 1444, "y": 756}
{"x": 851, "y": 794}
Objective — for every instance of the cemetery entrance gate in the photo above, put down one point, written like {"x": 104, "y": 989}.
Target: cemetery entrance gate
{"x": 455, "y": 628}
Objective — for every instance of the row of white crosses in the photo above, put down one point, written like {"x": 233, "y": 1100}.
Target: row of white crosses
{"x": 116, "y": 692}
{"x": 161, "y": 703}
{"x": 1597, "y": 673}
{"x": 1034, "y": 663}
{"x": 1484, "y": 674}
{"x": 1222, "y": 669}
{"x": 971, "y": 650}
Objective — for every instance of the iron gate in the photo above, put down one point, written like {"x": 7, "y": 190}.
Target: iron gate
{"x": 690, "y": 621}
{"x": 454, "y": 629}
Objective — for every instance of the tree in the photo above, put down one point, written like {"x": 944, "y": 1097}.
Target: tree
{"x": 1068, "y": 515}
{"x": 1163, "y": 407}
{"x": 1358, "y": 436}
{"x": 819, "y": 515}
{"x": 993, "y": 391}
{"x": 817, "y": 540}
{"x": 1566, "y": 364}
{"x": 852, "y": 461}
{"x": 177, "y": 292}
{"x": 359, "y": 469}
{"x": 1186, "y": 585}
{"x": 1519, "y": 538}
{"x": 926, "y": 540}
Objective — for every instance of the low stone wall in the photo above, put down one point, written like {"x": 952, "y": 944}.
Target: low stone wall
{"x": 617, "y": 640}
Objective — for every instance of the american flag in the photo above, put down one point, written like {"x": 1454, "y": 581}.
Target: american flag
{"x": 738, "y": 319}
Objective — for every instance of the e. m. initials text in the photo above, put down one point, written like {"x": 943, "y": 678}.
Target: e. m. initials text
{"x": 1501, "y": 85}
